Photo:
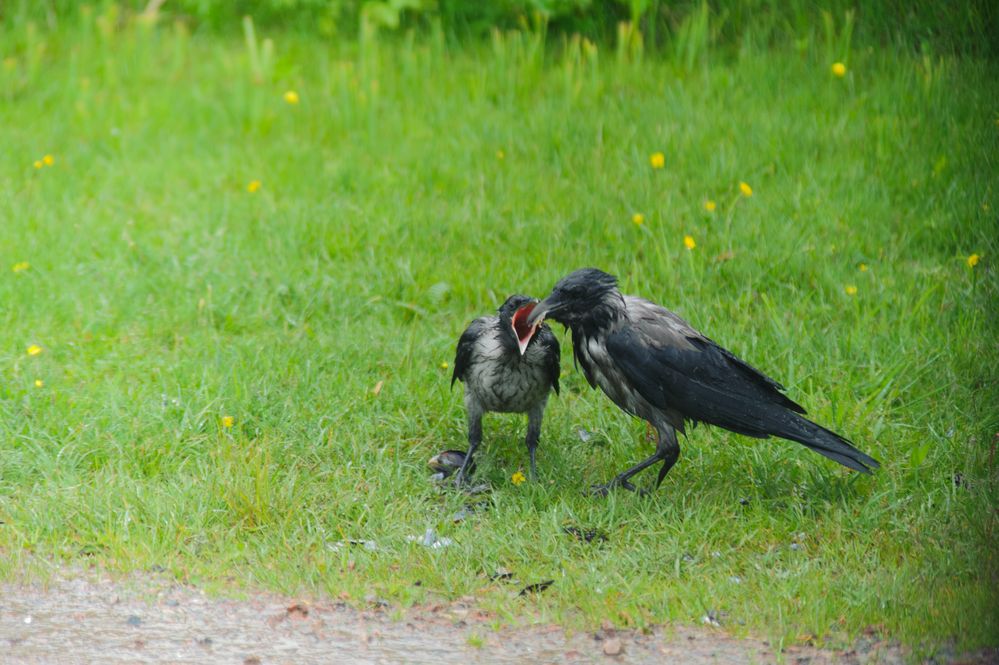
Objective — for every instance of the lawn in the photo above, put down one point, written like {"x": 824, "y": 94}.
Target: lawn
{"x": 229, "y": 313}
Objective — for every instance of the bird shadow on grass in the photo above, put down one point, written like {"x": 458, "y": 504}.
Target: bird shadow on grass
{"x": 806, "y": 490}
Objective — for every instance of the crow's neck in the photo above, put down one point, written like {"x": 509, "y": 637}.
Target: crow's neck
{"x": 508, "y": 338}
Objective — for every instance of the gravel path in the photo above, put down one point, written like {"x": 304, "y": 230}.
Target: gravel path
{"x": 86, "y": 619}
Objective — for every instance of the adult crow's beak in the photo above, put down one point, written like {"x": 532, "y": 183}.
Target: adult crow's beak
{"x": 541, "y": 310}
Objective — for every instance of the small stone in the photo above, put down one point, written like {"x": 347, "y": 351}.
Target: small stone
{"x": 612, "y": 647}
{"x": 133, "y": 620}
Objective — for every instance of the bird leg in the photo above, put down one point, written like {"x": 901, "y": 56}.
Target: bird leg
{"x": 533, "y": 434}
{"x": 621, "y": 480}
{"x": 667, "y": 451}
{"x": 474, "y": 439}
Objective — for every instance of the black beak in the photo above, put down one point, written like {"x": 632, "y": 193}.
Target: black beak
{"x": 541, "y": 310}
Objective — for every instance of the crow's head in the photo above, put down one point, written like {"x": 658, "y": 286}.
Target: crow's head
{"x": 513, "y": 320}
{"x": 578, "y": 296}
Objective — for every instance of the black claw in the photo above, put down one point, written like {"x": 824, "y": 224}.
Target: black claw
{"x": 600, "y": 490}
{"x": 662, "y": 474}
{"x": 604, "y": 490}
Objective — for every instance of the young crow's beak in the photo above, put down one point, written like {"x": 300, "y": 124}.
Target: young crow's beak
{"x": 521, "y": 328}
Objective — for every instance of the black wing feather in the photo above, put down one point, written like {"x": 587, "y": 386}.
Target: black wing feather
{"x": 553, "y": 354}
{"x": 694, "y": 380}
{"x": 463, "y": 353}
{"x": 704, "y": 382}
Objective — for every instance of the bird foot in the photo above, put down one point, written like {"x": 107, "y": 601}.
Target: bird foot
{"x": 604, "y": 490}
{"x": 464, "y": 484}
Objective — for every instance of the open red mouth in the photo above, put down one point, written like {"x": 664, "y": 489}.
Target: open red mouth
{"x": 523, "y": 331}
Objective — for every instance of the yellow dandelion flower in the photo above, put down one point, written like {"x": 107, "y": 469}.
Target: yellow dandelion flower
{"x": 49, "y": 160}
{"x": 710, "y": 205}
{"x": 657, "y": 160}
{"x": 253, "y": 186}
{"x": 839, "y": 69}
{"x": 851, "y": 290}
{"x": 444, "y": 365}
{"x": 688, "y": 242}
{"x": 39, "y": 383}
{"x": 500, "y": 155}
{"x": 638, "y": 218}
{"x": 517, "y": 478}
{"x": 38, "y": 164}
{"x": 862, "y": 267}
{"x": 745, "y": 189}
{"x": 973, "y": 260}
{"x": 21, "y": 266}
{"x": 34, "y": 350}
{"x": 228, "y": 421}
{"x": 291, "y": 97}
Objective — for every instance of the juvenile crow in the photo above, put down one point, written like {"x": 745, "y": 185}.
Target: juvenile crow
{"x": 655, "y": 366}
{"x": 508, "y": 367}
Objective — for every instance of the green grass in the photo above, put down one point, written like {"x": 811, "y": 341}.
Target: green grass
{"x": 166, "y": 296}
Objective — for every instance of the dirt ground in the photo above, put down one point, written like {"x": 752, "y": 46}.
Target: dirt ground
{"x": 86, "y": 618}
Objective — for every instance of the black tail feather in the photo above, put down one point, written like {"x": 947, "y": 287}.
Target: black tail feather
{"x": 826, "y": 442}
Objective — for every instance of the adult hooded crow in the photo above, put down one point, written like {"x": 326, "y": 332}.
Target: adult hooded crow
{"x": 508, "y": 367}
{"x": 655, "y": 366}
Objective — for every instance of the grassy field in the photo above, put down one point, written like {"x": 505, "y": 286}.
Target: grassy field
{"x": 294, "y": 237}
